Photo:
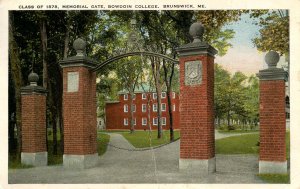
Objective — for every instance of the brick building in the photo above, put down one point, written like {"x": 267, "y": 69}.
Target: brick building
{"x": 144, "y": 104}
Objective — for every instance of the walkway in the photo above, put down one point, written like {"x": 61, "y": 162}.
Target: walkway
{"x": 153, "y": 166}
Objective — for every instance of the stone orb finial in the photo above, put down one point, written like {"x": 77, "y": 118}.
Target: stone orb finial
{"x": 33, "y": 78}
{"x": 196, "y": 31}
{"x": 272, "y": 59}
{"x": 79, "y": 45}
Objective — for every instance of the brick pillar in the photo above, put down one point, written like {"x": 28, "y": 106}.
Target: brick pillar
{"x": 197, "y": 142}
{"x": 79, "y": 109}
{"x": 272, "y": 154}
{"x": 33, "y": 97}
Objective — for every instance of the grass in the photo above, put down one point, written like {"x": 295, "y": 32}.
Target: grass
{"x": 113, "y": 131}
{"x": 141, "y": 139}
{"x": 13, "y": 163}
{"x": 237, "y": 131}
{"x": 275, "y": 178}
{"x": 54, "y": 159}
{"x": 246, "y": 144}
{"x": 103, "y": 140}
{"x": 57, "y": 159}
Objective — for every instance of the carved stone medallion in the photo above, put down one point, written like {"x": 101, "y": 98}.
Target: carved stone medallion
{"x": 193, "y": 73}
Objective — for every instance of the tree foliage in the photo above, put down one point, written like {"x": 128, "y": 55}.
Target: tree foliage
{"x": 274, "y": 32}
{"x": 236, "y": 97}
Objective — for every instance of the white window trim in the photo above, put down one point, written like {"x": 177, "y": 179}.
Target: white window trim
{"x": 163, "y": 110}
{"x": 163, "y": 96}
{"x": 174, "y": 107}
{"x": 144, "y": 96}
{"x": 125, "y": 108}
{"x": 125, "y": 121}
{"x": 155, "y": 118}
{"x": 125, "y": 96}
{"x": 134, "y": 107}
{"x": 163, "y": 121}
{"x": 144, "y": 119}
{"x": 144, "y": 110}
{"x": 154, "y": 107}
{"x": 173, "y": 95}
{"x": 154, "y": 95}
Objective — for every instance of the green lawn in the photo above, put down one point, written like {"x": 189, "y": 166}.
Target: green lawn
{"x": 245, "y": 144}
{"x": 237, "y": 131}
{"x": 143, "y": 139}
{"x": 103, "y": 140}
{"x": 57, "y": 159}
{"x": 275, "y": 178}
{"x": 13, "y": 163}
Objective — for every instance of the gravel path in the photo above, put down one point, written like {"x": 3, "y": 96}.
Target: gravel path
{"x": 151, "y": 166}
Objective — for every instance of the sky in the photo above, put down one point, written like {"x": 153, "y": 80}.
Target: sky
{"x": 243, "y": 56}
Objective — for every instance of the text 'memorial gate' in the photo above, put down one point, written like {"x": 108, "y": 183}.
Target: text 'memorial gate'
{"x": 197, "y": 143}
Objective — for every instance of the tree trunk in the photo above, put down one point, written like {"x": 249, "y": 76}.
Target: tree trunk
{"x": 15, "y": 65}
{"x": 44, "y": 47}
{"x": 228, "y": 120}
{"x": 156, "y": 74}
{"x": 54, "y": 122}
{"x": 131, "y": 112}
{"x": 45, "y": 70}
{"x": 61, "y": 129}
{"x": 67, "y": 38}
{"x": 169, "y": 96}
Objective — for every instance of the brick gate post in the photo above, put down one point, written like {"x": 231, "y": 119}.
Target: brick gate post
{"x": 79, "y": 109}
{"x": 272, "y": 153}
{"x": 33, "y": 97}
{"x": 197, "y": 142}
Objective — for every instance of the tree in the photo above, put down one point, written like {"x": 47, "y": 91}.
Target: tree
{"x": 222, "y": 80}
{"x": 41, "y": 43}
{"x": 15, "y": 65}
{"x": 274, "y": 32}
{"x": 230, "y": 96}
{"x": 252, "y": 99}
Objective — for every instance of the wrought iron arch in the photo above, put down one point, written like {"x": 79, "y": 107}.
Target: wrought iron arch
{"x": 146, "y": 53}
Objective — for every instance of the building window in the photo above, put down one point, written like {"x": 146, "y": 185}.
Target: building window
{"x": 155, "y": 122}
{"x": 163, "y": 121}
{"x": 144, "y": 121}
{"x": 125, "y": 96}
{"x": 144, "y": 107}
{"x": 144, "y": 96}
{"x": 163, "y": 95}
{"x": 154, "y": 96}
{"x": 133, "y": 107}
{"x": 173, "y": 107}
{"x": 125, "y": 108}
{"x": 155, "y": 107}
{"x": 163, "y": 107}
{"x": 125, "y": 121}
{"x": 173, "y": 95}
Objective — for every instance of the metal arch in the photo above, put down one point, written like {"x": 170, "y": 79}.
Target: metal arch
{"x": 115, "y": 58}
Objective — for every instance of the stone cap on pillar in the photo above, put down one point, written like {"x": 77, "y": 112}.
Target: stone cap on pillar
{"x": 197, "y": 46}
{"x": 33, "y": 88}
{"x": 272, "y": 72}
{"x": 80, "y": 59}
